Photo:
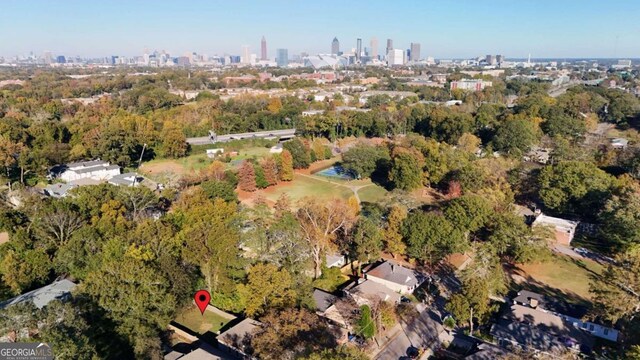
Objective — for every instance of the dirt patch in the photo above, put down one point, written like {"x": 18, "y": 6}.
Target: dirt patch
{"x": 4, "y": 237}
{"x": 162, "y": 168}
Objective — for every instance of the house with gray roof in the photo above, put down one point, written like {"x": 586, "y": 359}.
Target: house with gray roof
{"x": 57, "y": 290}
{"x": 396, "y": 277}
{"x": 236, "y": 340}
{"x": 365, "y": 291}
{"x": 58, "y": 190}
{"x": 127, "y": 179}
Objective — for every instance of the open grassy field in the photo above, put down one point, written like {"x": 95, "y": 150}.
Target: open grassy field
{"x": 372, "y": 193}
{"x": 198, "y": 323}
{"x": 303, "y": 186}
{"x": 565, "y": 274}
{"x": 195, "y": 162}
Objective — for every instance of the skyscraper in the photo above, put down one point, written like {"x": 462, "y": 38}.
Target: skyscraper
{"x": 282, "y": 57}
{"x": 263, "y": 49}
{"x": 245, "y": 54}
{"x": 358, "y": 49}
{"x": 335, "y": 46}
{"x": 415, "y": 52}
{"x": 389, "y": 46}
{"x": 374, "y": 48}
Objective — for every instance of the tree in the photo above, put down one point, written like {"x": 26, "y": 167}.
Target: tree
{"x": 431, "y": 237}
{"x": 270, "y": 169}
{"x": 392, "y": 233}
{"x": 118, "y": 287}
{"x": 468, "y": 212}
{"x": 299, "y": 152}
{"x": 286, "y": 171}
{"x": 469, "y": 143}
{"x": 366, "y": 325}
{"x": 26, "y": 269}
{"x": 620, "y": 217}
{"x": 219, "y": 189}
{"x": 211, "y": 238}
{"x": 174, "y": 143}
{"x": 515, "y": 136}
{"x": 289, "y": 334}
{"x": 267, "y": 287}
{"x": 406, "y": 169}
{"x": 343, "y": 352}
{"x": 616, "y": 292}
{"x": 261, "y": 180}
{"x": 472, "y": 303}
{"x": 247, "y": 177}
{"x": 58, "y": 222}
{"x": 366, "y": 241}
{"x": 363, "y": 159}
{"x": 574, "y": 186}
{"x": 321, "y": 222}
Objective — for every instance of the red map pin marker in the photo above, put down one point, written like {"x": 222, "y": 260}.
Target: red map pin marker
{"x": 202, "y": 298}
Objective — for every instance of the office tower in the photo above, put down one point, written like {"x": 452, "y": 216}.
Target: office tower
{"x": 358, "y": 49}
{"x": 61, "y": 59}
{"x": 282, "y": 57}
{"x": 490, "y": 59}
{"x": 245, "y": 54}
{"x": 263, "y": 49}
{"x": 374, "y": 48}
{"x": 499, "y": 59}
{"x": 389, "y": 45}
{"x": 395, "y": 57}
{"x": 335, "y": 46}
{"x": 415, "y": 52}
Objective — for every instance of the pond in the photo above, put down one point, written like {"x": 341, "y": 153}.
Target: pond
{"x": 336, "y": 171}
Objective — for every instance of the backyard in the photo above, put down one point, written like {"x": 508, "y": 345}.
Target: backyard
{"x": 562, "y": 273}
{"x": 191, "y": 319}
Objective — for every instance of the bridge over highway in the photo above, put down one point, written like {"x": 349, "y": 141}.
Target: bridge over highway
{"x": 267, "y": 134}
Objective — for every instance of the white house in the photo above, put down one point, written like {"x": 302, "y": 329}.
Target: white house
{"x": 395, "y": 277}
{"x": 564, "y": 230}
{"x": 214, "y": 152}
{"x": 96, "y": 170}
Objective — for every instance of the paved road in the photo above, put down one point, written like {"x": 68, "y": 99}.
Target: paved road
{"x": 421, "y": 332}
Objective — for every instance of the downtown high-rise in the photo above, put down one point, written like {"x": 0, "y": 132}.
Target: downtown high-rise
{"x": 335, "y": 46}
{"x": 263, "y": 49}
{"x": 374, "y": 48}
{"x": 415, "y": 52}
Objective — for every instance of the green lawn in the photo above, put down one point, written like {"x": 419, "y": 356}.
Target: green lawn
{"x": 198, "y": 323}
{"x": 303, "y": 186}
{"x": 373, "y": 193}
{"x": 569, "y": 276}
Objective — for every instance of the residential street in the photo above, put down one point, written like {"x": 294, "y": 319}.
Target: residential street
{"x": 422, "y": 332}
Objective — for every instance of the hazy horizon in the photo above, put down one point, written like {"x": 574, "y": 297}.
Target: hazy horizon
{"x": 543, "y": 28}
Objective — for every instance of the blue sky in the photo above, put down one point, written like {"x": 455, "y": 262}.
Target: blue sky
{"x": 445, "y": 28}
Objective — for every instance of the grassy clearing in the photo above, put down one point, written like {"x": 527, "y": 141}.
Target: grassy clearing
{"x": 303, "y": 186}
{"x": 570, "y": 276}
{"x": 372, "y": 193}
{"x": 198, "y": 323}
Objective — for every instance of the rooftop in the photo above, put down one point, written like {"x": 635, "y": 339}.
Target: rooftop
{"x": 323, "y": 299}
{"x": 395, "y": 273}
{"x": 237, "y": 335}
{"x": 41, "y": 297}
{"x": 370, "y": 289}
{"x": 543, "y": 219}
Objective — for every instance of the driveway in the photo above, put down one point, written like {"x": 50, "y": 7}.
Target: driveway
{"x": 421, "y": 332}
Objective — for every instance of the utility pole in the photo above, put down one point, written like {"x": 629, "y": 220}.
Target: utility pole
{"x": 141, "y": 155}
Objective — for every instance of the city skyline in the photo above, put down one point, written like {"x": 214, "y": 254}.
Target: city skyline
{"x": 542, "y": 29}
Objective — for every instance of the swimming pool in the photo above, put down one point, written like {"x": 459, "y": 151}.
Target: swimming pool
{"x": 336, "y": 171}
